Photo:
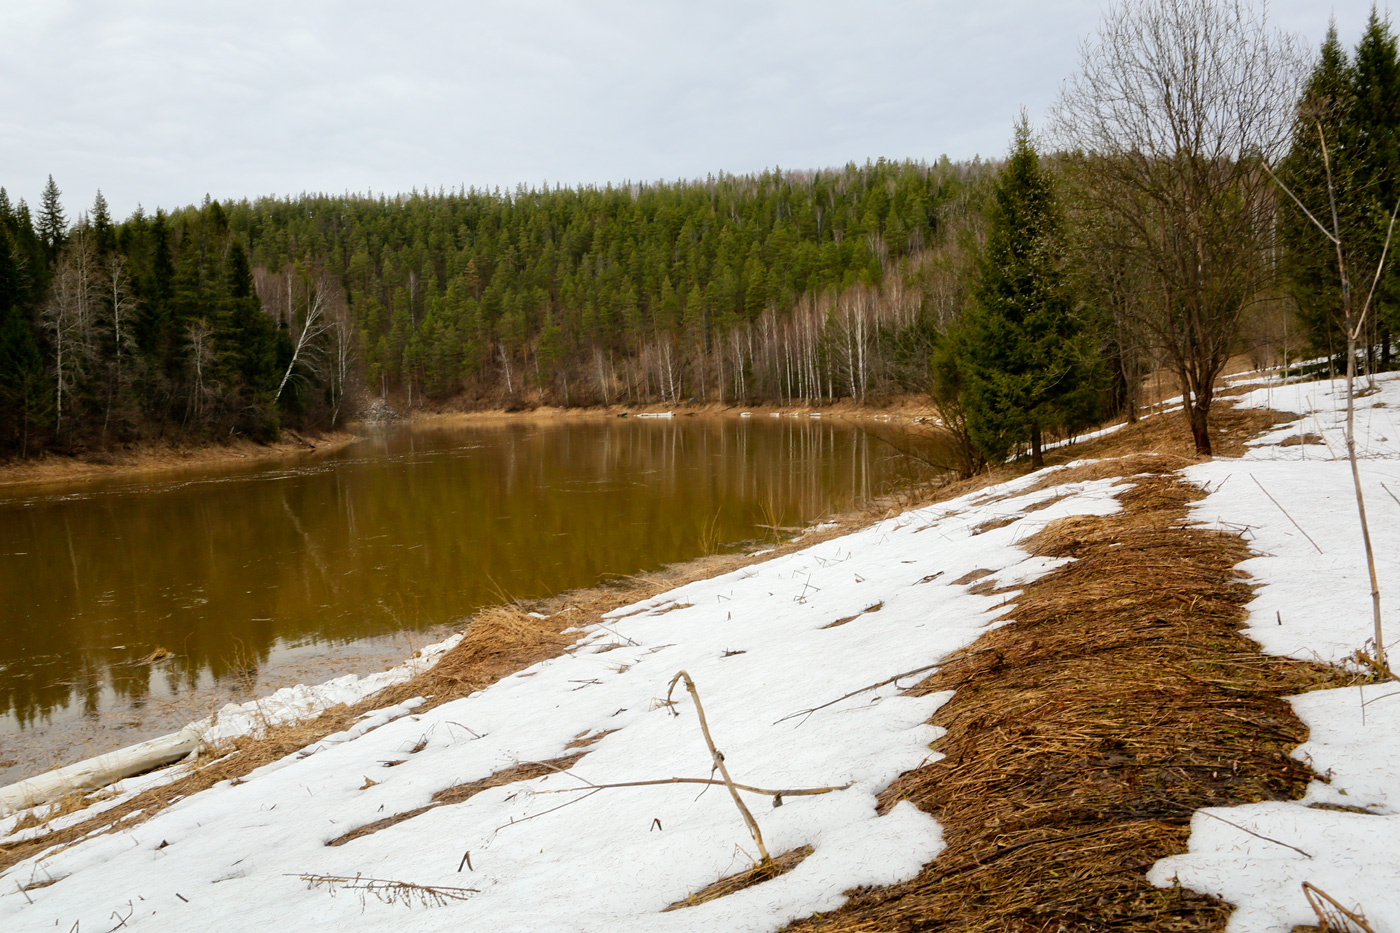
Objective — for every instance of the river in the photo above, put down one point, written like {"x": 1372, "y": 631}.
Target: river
{"x": 259, "y": 576}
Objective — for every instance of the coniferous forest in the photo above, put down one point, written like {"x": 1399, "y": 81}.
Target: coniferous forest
{"x": 1016, "y": 295}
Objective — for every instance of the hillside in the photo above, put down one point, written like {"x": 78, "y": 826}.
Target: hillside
{"x": 1021, "y": 706}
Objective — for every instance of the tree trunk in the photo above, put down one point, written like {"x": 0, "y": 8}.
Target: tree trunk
{"x": 1196, "y": 413}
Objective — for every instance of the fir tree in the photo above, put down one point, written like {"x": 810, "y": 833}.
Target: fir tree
{"x": 1028, "y": 364}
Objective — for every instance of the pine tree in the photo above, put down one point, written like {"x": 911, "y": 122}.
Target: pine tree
{"x": 1029, "y": 365}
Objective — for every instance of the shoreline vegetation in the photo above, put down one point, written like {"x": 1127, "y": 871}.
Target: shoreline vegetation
{"x": 505, "y": 640}
{"x": 1095, "y": 686}
{"x": 155, "y": 457}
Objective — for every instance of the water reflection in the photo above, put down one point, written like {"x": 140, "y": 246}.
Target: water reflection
{"x": 404, "y": 531}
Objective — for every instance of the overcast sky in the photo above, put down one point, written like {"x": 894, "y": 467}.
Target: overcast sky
{"x": 159, "y": 103}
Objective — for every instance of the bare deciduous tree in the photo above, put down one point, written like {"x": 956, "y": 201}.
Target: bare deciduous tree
{"x": 1176, "y": 105}
{"x": 70, "y": 317}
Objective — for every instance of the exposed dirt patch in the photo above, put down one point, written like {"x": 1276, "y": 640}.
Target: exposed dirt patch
{"x": 1083, "y": 735}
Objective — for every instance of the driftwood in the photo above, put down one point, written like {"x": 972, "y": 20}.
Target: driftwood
{"x": 100, "y": 771}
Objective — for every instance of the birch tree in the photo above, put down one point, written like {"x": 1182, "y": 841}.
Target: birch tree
{"x": 69, "y": 317}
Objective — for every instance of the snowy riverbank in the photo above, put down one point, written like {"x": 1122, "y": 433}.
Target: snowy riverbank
{"x": 763, "y": 643}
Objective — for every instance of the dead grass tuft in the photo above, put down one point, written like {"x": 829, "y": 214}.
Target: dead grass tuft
{"x": 994, "y": 523}
{"x": 972, "y": 576}
{"x": 1298, "y": 440}
{"x": 498, "y": 641}
{"x": 1082, "y": 736}
{"x": 873, "y": 607}
{"x": 588, "y": 740}
{"x": 459, "y": 793}
{"x": 758, "y": 874}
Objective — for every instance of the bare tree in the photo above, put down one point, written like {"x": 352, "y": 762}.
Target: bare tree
{"x": 119, "y": 306}
{"x": 201, "y": 344}
{"x": 70, "y": 317}
{"x": 342, "y": 357}
{"x": 1177, "y": 104}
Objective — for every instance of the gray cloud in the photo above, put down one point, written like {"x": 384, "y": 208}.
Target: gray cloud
{"x": 161, "y": 102}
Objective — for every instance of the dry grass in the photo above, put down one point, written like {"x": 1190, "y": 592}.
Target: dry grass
{"x": 459, "y": 793}
{"x": 498, "y": 642}
{"x": 1298, "y": 440}
{"x": 1082, "y": 737}
{"x": 1005, "y": 698}
{"x": 765, "y": 871}
{"x": 873, "y": 607}
{"x": 155, "y": 457}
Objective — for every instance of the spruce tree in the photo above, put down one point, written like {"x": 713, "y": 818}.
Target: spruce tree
{"x": 1029, "y": 365}
{"x": 22, "y": 382}
{"x": 1375, "y": 154}
{"x": 52, "y": 225}
{"x": 245, "y": 346}
{"x": 1324, "y": 113}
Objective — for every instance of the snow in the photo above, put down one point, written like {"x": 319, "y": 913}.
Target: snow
{"x": 1313, "y": 601}
{"x": 546, "y": 854}
{"x": 755, "y": 643}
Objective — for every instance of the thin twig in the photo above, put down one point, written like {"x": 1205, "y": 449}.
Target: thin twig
{"x": 1391, "y": 494}
{"x": 1288, "y": 191}
{"x": 718, "y": 757}
{"x": 793, "y": 792}
{"x": 804, "y": 713}
{"x": 526, "y": 819}
{"x": 1285, "y": 512}
{"x": 1379, "y": 266}
{"x": 1253, "y": 833}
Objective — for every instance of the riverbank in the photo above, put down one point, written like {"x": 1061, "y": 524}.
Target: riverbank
{"x": 907, "y": 409}
{"x": 1090, "y": 691}
{"x": 156, "y": 457}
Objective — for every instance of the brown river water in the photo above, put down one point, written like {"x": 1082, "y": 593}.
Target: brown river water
{"x": 260, "y": 576}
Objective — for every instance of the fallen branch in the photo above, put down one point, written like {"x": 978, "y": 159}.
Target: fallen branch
{"x": 1332, "y": 915}
{"x": 389, "y": 891}
{"x": 718, "y": 757}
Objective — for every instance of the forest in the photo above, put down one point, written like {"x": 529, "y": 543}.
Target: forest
{"x": 1029, "y": 297}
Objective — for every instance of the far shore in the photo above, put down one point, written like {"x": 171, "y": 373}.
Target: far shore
{"x": 157, "y": 457}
